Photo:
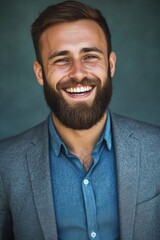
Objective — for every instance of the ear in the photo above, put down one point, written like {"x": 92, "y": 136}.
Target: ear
{"x": 112, "y": 63}
{"x": 38, "y": 72}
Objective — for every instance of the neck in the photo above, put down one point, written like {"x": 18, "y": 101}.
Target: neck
{"x": 80, "y": 142}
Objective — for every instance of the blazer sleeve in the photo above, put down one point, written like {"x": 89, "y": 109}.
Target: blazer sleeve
{"x": 6, "y": 232}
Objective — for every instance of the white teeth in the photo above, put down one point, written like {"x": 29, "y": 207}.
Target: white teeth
{"x": 79, "y": 89}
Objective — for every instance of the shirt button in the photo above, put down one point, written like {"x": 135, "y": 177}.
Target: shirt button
{"x": 93, "y": 234}
{"x": 85, "y": 181}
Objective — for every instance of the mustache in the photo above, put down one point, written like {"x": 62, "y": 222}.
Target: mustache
{"x": 73, "y": 83}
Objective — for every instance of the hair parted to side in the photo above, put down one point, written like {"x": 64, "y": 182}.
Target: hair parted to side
{"x": 67, "y": 11}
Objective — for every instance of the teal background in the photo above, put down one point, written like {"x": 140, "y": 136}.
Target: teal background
{"x": 135, "y": 28}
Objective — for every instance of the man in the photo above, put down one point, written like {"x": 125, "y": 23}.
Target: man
{"x": 84, "y": 173}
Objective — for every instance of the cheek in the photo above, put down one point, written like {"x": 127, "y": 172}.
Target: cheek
{"x": 58, "y": 72}
{"x": 54, "y": 76}
{"x": 100, "y": 71}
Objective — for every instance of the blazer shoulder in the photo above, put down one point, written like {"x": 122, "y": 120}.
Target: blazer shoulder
{"x": 16, "y": 145}
{"x": 141, "y": 129}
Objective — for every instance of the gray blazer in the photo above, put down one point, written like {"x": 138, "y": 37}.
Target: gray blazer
{"x": 26, "y": 201}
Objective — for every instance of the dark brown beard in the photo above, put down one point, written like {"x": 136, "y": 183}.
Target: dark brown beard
{"x": 81, "y": 116}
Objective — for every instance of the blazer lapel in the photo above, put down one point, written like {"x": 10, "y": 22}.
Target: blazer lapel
{"x": 39, "y": 170}
{"x": 127, "y": 153}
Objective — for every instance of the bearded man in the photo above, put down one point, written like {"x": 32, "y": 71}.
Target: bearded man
{"x": 85, "y": 173}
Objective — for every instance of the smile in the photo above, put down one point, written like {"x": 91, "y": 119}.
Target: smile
{"x": 77, "y": 90}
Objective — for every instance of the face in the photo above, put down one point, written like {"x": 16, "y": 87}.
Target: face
{"x": 76, "y": 72}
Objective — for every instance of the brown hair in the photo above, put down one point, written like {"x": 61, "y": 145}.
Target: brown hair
{"x": 67, "y": 11}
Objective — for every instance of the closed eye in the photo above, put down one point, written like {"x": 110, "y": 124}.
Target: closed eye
{"x": 91, "y": 58}
{"x": 61, "y": 61}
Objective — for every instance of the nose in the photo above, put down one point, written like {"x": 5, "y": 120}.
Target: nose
{"x": 77, "y": 71}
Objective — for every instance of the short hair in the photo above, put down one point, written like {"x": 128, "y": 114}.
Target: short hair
{"x": 67, "y": 11}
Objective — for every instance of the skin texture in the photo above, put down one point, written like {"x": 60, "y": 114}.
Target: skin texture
{"x": 74, "y": 51}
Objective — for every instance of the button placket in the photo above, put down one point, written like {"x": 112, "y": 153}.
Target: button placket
{"x": 90, "y": 206}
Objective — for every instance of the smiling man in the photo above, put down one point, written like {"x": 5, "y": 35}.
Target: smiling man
{"x": 85, "y": 173}
{"x": 75, "y": 72}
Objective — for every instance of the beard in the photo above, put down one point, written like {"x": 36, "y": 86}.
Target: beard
{"x": 79, "y": 116}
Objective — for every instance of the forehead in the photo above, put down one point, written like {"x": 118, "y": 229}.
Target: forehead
{"x": 73, "y": 35}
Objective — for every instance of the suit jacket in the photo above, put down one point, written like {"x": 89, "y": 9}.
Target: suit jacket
{"x": 26, "y": 201}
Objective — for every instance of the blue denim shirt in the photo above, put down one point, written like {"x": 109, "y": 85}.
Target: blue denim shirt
{"x": 86, "y": 204}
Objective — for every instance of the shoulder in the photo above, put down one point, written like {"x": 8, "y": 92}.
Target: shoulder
{"x": 17, "y": 145}
{"x": 139, "y": 128}
{"x": 135, "y": 137}
{"x": 147, "y": 135}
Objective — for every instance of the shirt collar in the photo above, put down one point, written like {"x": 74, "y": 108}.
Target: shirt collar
{"x": 56, "y": 142}
{"x": 107, "y": 133}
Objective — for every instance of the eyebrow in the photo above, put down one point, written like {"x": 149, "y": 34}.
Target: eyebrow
{"x": 57, "y": 54}
{"x": 92, "y": 49}
{"x": 65, "y": 52}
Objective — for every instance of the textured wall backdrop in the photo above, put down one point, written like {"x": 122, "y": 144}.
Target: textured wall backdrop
{"x": 135, "y": 27}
